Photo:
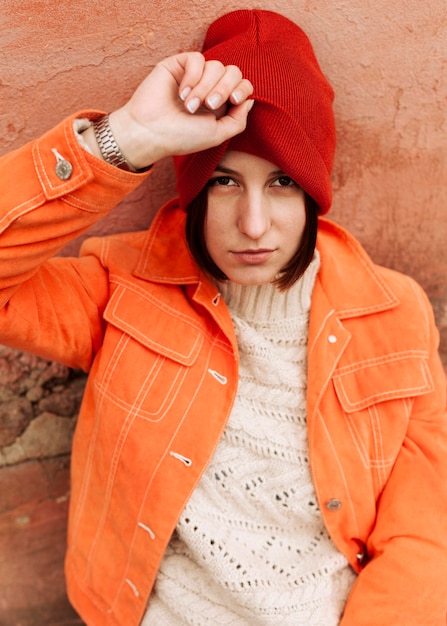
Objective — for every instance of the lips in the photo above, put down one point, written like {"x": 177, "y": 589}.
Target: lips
{"x": 255, "y": 256}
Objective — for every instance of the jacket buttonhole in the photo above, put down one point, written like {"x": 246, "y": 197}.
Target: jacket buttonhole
{"x": 147, "y": 529}
{"x": 219, "y": 377}
{"x": 133, "y": 587}
{"x": 181, "y": 458}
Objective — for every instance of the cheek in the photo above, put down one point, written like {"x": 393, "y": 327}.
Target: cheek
{"x": 217, "y": 223}
{"x": 293, "y": 226}
{"x": 210, "y": 230}
{"x": 214, "y": 233}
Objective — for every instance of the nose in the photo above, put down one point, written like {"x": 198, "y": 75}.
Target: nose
{"x": 254, "y": 216}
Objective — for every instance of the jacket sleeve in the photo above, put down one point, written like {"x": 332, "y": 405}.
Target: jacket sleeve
{"x": 405, "y": 581}
{"x": 52, "y": 306}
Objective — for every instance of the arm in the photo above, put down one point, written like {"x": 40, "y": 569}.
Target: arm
{"x": 40, "y": 211}
{"x": 42, "y": 208}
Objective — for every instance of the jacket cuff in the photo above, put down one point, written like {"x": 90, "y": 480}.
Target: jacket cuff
{"x": 63, "y": 168}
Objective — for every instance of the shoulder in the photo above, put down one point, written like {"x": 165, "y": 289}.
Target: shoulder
{"x": 349, "y": 275}
{"x": 122, "y": 250}
{"x": 158, "y": 255}
{"x": 339, "y": 247}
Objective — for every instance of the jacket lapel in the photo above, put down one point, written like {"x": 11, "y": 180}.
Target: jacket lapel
{"x": 166, "y": 259}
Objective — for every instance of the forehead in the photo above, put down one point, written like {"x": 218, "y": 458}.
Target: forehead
{"x": 244, "y": 162}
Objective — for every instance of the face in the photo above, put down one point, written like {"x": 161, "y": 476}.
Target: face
{"x": 255, "y": 218}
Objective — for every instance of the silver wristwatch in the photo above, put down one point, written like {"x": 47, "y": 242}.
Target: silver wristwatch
{"x": 110, "y": 150}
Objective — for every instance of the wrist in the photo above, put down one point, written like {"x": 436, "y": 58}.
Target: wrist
{"x": 134, "y": 140}
{"x": 100, "y": 139}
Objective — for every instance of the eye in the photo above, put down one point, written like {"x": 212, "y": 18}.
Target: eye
{"x": 221, "y": 181}
{"x": 284, "y": 181}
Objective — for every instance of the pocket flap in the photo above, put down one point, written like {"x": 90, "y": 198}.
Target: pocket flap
{"x": 395, "y": 377}
{"x": 155, "y": 324}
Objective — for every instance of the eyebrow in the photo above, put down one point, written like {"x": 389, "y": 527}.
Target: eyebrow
{"x": 228, "y": 170}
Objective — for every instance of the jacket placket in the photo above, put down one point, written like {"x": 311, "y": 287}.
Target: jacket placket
{"x": 328, "y": 340}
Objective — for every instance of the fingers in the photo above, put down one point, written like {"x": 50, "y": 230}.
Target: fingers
{"x": 234, "y": 122}
{"x": 160, "y": 120}
{"x": 211, "y": 84}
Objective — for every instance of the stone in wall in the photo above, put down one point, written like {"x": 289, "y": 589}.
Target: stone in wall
{"x": 39, "y": 402}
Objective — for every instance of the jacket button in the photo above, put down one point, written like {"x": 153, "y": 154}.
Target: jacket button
{"x": 64, "y": 169}
{"x": 332, "y": 339}
{"x": 362, "y": 558}
{"x": 333, "y": 504}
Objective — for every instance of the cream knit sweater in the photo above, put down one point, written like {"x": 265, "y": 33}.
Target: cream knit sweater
{"x": 250, "y": 546}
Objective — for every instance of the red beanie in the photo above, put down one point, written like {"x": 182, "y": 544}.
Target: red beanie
{"x": 291, "y": 123}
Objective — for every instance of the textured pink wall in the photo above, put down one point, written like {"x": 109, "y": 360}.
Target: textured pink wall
{"x": 386, "y": 60}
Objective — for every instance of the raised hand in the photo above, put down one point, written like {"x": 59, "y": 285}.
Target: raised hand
{"x": 185, "y": 104}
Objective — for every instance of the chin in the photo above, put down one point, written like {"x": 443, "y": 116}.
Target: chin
{"x": 251, "y": 281}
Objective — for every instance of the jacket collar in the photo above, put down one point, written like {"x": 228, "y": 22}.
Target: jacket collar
{"x": 165, "y": 257}
{"x": 351, "y": 283}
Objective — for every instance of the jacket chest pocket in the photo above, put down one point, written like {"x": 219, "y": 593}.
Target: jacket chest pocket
{"x": 148, "y": 355}
{"x": 376, "y": 398}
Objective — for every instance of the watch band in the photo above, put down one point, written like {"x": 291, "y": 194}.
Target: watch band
{"x": 110, "y": 150}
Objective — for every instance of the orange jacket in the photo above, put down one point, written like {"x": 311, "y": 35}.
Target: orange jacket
{"x": 159, "y": 344}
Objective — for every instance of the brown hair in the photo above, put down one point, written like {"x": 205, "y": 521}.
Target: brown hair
{"x": 295, "y": 268}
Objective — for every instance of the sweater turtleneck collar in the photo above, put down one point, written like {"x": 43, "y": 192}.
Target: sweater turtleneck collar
{"x": 265, "y": 302}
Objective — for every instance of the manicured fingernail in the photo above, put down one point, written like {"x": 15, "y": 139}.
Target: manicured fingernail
{"x": 250, "y": 104}
{"x": 185, "y": 93}
{"x": 236, "y": 96}
{"x": 193, "y": 105}
{"x": 214, "y": 101}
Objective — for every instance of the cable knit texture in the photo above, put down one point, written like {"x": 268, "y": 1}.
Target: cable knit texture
{"x": 251, "y": 546}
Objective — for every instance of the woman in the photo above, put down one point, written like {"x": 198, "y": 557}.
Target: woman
{"x": 263, "y": 436}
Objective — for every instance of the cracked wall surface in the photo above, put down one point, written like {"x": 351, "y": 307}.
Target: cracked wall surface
{"x": 388, "y": 65}
{"x": 39, "y": 402}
